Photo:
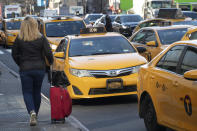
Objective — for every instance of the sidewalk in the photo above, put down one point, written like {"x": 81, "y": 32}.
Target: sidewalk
{"x": 13, "y": 114}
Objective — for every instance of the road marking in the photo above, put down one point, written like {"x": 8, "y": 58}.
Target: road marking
{"x": 1, "y": 94}
{"x": 1, "y": 52}
{"x": 71, "y": 118}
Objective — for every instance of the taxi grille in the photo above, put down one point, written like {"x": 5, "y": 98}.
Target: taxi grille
{"x": 99, "y": 91}
{"x": 111, "y": 73}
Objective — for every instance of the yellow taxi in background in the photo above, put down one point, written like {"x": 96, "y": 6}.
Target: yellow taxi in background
{"x": 98, "y": 64}
{"x": 56, "y": 28}
{"x": 167, "y": 89}
{"x": 155, "y": 39}
{"x": 2, "y": 33}
{"x": 11, "y": 29}
{"x": 152, "y": 22}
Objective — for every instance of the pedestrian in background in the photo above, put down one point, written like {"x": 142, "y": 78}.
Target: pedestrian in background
{"x": 29, "y": 52}
{"x": 108, "y": 24}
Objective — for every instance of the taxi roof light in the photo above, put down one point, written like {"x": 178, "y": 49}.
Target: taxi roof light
{"x": 93, "y": 30}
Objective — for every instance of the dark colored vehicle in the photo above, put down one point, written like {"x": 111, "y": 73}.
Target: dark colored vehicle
{"x": 91, "y": 18}
{"x": 190, "y": 14}
{"x": 125, "y": 24}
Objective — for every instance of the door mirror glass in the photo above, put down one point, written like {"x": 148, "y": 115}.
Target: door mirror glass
{"x": 141, "y": 49}
{"x": 59, "y": 55}
{"x": 191, "y": 75}
{"x": 151, "y": 43}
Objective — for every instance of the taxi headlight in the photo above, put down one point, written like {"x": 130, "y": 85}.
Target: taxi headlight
{"x": 9, "y": 34}
{"x": 53, "y": 47}
{"x": 80, "y": 73}
{"x": 136, "y": 69}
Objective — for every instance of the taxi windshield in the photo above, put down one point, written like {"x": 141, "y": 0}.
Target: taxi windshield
{"x": 161, "y": 4}
{"x": 170, "y": 36}
{"x": 63, "y": 28}
{"x": 100, "y": 46}
{"x": 13, "y": 25}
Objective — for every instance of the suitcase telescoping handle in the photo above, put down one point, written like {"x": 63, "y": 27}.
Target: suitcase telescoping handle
{"x": 50, "y": 75}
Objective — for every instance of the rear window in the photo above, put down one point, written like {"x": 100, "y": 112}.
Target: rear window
{"x": 63, "y": 28}
{"x": 170, "y": 36}
{"x": 13, "y": 25}
{"x": 100, "y": 46}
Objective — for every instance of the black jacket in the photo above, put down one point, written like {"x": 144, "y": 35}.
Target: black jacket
{"x": 30, "y": 55}
{"x": 108, "y": 24}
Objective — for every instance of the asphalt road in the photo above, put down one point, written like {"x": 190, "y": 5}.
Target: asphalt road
{"x": 104, "y": 114}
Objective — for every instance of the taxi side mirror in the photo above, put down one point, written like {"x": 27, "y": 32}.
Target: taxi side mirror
{"x": 151, "y": 43}
{"x": 59, "y": 55}
{"x": 191, "y": 75}
{"x": 141, "y": 49}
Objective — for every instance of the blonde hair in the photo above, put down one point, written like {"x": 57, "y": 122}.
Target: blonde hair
{"x": 29, "y": 30}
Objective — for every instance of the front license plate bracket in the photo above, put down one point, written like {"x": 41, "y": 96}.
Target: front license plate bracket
{"x": 113, "y": 84}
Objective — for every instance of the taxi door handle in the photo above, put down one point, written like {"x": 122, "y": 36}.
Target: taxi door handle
{"x": 175, "y": 83}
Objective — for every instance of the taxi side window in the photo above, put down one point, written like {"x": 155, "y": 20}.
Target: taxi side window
{"x": 62, "y": 46}
{"x": 193, "y": 36}
{"x": 150, "y": 36}
{"x": 139, "y": 37}
{"x": 171, "y": 59}
{"x": 189, "y": 60}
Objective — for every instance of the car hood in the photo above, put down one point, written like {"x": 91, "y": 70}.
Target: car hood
{"x": 106, "y": 62}
{"x": 54, "y": 40}
{"x": 13, "y": 31}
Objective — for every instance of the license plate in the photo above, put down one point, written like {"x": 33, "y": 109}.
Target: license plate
{"x": 114, "y": 84}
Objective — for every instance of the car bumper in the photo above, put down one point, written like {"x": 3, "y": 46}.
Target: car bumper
{"x": 91, "y": 87}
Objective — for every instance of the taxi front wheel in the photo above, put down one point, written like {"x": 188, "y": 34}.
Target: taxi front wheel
{"x": 150, "y": 118}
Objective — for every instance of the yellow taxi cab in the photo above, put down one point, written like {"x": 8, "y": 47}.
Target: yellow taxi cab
{"x": 98, "y": 64}
{"x": 11, "y": 29}
{"x": 152, "y": 22}
{"x": 56, "y": 28}
{"x": 2, "y": 33}
{"x": 155, "y": 39}
{"x": 167, "y": 89}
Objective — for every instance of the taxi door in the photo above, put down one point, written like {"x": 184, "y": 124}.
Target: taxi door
{"x": 58, "y": 64}
{"x": 165, "y": 77}
{"x": 142, "y": 38}
{"x": 186, "y": 93}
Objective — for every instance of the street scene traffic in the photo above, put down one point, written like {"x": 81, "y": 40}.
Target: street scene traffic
{"x": 98, "y": 65}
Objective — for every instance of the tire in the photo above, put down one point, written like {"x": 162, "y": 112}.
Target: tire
{"x": 150, "y": 118}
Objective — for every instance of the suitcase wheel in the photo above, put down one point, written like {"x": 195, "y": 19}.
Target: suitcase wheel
{"x": 59, "y": 121}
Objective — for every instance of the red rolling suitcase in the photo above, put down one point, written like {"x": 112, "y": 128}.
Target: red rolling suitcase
{"x": 61, "y": 104}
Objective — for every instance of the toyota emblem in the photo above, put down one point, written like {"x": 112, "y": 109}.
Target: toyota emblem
{"x": 112, "y": 73}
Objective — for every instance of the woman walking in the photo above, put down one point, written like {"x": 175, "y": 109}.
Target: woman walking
{"x": 29, "y": 52}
